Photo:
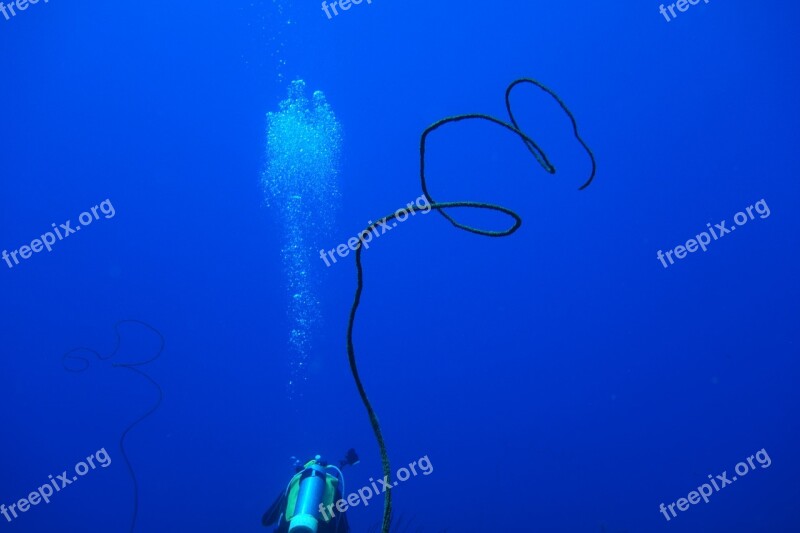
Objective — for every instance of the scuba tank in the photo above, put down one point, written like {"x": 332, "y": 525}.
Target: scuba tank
{"x": 309, "y": 497}
{"x": 316, "y": 485}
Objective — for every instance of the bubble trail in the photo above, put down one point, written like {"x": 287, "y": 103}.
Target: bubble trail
{"x": 304, "y": 142}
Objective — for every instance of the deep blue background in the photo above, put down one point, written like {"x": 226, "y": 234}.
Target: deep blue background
{"x": 559, "y": 380}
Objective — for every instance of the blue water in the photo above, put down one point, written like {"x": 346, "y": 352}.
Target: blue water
{"x": 558, "y": 380}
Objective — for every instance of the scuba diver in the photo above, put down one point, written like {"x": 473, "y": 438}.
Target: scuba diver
{"x": 315, "y": 485}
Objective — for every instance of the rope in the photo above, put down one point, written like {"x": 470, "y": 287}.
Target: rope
{"x": 543, "y": 161}
{"x": 132, "y": 367}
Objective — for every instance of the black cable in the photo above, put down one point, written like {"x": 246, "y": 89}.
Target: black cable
{"x": 541, "y": 158}
{"x": 132, "y": 367}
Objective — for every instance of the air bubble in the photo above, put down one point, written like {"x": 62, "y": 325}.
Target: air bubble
{"x": 304, "y": 142}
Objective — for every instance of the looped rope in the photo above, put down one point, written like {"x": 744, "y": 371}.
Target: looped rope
{"x": 69, "y": 359}
{"x": 543, "y": 161}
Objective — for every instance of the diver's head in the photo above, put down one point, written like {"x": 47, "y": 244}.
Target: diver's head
{"x": 350, "y": 458}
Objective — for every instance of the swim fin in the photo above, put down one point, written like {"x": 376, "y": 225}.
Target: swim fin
{"x": 275, "y": 510}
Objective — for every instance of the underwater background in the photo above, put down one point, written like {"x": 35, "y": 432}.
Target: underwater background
{"x": 561, "y": 379}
